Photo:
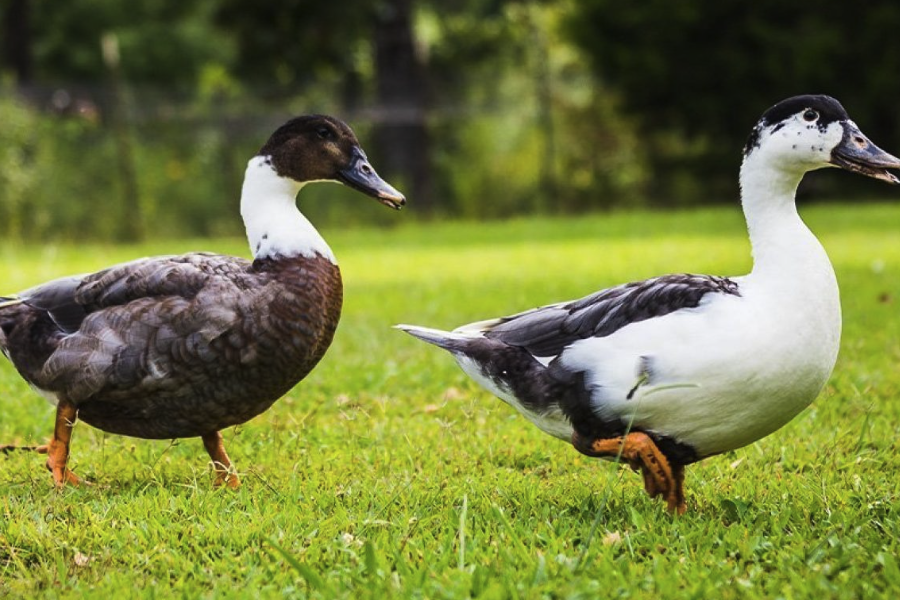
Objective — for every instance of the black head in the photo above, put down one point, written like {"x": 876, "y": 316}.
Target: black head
{"x": 319, "y": 147}
{"x": 824, "y": 109}
{"x": 809, "y": 132}
{"x": 828, "y": 109}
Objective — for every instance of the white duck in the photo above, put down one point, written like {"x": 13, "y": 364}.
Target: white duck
{"x": 677, "y": 368}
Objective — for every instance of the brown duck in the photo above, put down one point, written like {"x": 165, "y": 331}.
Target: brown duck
{"x": 184, "y": 346}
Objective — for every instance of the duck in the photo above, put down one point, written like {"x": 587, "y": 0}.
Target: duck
{"x": 184, "y": 346}
{"x": 661, "y": 373}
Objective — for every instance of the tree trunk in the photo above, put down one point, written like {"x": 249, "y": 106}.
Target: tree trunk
{"x": 401, "y": 134}
{"x": 131, "y": 228}
{"x": 17, "y": 40}
{"x": 544, "y": 94}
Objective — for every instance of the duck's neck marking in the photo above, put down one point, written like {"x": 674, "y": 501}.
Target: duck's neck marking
{"x": 275, "y": 227}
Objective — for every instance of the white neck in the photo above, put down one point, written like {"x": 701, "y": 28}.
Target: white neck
{"x": 275, "y": 227}
{"x": 792, "y": 283}
{"x": 783, "y": 245}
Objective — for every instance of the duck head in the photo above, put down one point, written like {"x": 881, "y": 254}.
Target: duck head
{"x": 804, "y": 133}
{"x": 323, "y": 148}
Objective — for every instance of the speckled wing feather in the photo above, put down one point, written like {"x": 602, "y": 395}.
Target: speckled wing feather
{"x": 130, "y": 322}
{"x": 182, "y": 276}
{"x": 548, "y": 330}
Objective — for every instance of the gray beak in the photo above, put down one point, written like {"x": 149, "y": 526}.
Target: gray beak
{"x": 858, "y": 154}
{"x": 362, "y": 177}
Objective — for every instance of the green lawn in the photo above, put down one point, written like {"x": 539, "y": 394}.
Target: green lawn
{"x": 388, "y": 473}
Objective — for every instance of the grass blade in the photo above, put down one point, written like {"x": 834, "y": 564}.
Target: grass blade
{"x": 462, "y": 532}
{"x": 313, "y": 579}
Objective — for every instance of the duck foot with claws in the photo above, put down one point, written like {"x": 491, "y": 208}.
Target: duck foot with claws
{"x": 661, "y": 477}
{"x": 57, "y": 449}
{"x": 222, "y": 465}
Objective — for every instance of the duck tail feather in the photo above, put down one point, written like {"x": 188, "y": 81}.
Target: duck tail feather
{"x": 453, "y": 341}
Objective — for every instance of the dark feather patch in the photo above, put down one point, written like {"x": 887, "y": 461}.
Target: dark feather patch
{"x": 829, "y": 109}
{"x": 310, "y": 147}
{"x": 547, "y": 331}
{"x": 538, "y": 388}
{"x": 58, "y": 299}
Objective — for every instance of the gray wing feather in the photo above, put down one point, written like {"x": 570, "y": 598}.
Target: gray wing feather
{"x": 547, "y": 331}
{"x": 57, "y": 297}
{"x": 143, "y": 321}
{"x": 182, "y": 276}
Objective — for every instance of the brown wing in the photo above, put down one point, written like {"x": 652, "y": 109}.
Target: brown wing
{"x": 133, "y": 325}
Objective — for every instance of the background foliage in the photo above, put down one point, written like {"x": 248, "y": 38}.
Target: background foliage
{"x": 476, "y": 108}
{"x": 702, "y": 71}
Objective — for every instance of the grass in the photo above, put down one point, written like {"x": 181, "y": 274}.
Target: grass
{"x": 388, "y": 474}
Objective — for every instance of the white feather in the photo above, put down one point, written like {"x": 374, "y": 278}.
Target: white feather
{"x": 275, "y": 227}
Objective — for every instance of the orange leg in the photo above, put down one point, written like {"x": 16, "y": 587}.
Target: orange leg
{"x": 58, "y": 449}
{"x": 221, "y": 463}
{"x": 640, "y": 452}
{"x": 651, "y": 484}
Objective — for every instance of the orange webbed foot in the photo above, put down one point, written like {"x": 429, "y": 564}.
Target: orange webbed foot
{"x": 225, "y": 476}
{"x": 639, "y": 451}
{"x": 224, "y": 469}
{"x": 56, "y": 462}
{"x": 61, "y": 474}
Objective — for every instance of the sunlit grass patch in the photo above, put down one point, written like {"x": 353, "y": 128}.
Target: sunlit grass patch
{"x": 387, "y": 473}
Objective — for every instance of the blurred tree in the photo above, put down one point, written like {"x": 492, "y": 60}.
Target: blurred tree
{"x": 284, "y": 43}
{"x": 17, "y": 44}
{"x": 162, "y": 41}
{"x": 292, "y": 42}
{"x": 19, "y": 176}
{"x": 132, "y": 225}
{"x": 489, "y": 60}
{"x": 402, "y": 92}
{"x": 472, "y": 44}
{"x": 520, "y": 127}
{"x": 698, "y": 74}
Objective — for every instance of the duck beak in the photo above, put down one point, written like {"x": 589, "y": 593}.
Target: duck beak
{"x": 858, "y": 154}
{"x": 362, "y": 177}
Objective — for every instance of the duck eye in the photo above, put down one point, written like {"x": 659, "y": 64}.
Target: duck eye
{"x": 324, "y": 133}
{"x": 810, "y": 115}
